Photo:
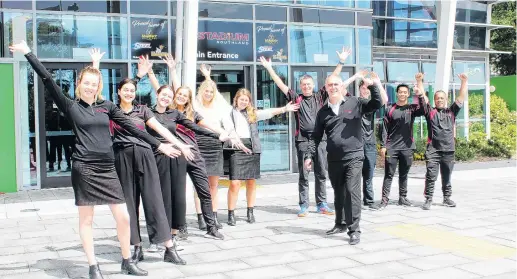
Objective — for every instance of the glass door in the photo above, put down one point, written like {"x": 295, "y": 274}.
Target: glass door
{"x": 55, "y": 135}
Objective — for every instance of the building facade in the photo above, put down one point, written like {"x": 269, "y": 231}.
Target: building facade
{"x": 394, "y": 38}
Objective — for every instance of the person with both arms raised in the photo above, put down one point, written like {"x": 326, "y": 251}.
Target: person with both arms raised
{"x": 341, "y": 120}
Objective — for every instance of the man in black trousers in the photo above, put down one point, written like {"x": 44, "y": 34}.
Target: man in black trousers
{"x": 340, "y": 118}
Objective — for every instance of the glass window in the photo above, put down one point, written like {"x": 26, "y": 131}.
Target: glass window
{"x": 379, "y": 8}
{"x": 70, "y": 36}
{"x": 109, "y": 6}
{"x": 17, "y": 26}
{"x": 274, "y": 132}
{"x": 149, "y": 7}
{"x": 429, "y": 71}
{"x": 319, "y": 44}
{"x": 145, "y": 94}
{"x": 28, "y": 124}
{"x": 378, "y": 68}
{"x": 270, "y": 13}
{"x": 469, "y": 37}
{"x": 411, "y": 34}
{"x": 379, "y": 27}
{"x": 334, "y": 3}
{"x": 219, "y": 10}
{"x": 364, "y": 19}
{"x": 23, "y": 5}
{"x": 402, "y": 71}
{"x": 365, "y": 46}
{"x": 412, "y": 9}
{"x": 322, "y": 16}
{"x": 174, "y": 7}
{"x": 149, "y": 36}
{"x": 364, "y": 4}
{"x": 470, "y": 11}
{"x": 474, "y": 70}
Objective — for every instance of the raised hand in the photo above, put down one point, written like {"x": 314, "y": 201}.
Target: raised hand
{"x": 144, "y": 66}
{"x": 463, "y": 77}
{"x": 375, "y": 77}
{"x": 362, "y": 74}
{"x": 205, "y": 70}
{"x": 419, "y": 77}
{"x": 20, "y": 47}
{"x": 171, "y": 63}
{"x": 367, "y": 82}
{"x": 95, "y": 54}
{"x": 417, "y": 91}
{"x": 265, "y": 62}
{"x": 292, "y": 107}
{"x": 343, "y": 55}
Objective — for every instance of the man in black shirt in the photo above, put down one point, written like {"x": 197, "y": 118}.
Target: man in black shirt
{"x": 340, "y": 118}
{"x": 439, "y": 155}
{"x": 398, "y": 145}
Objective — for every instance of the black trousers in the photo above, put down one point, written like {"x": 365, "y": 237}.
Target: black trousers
{"x": 320, "y": 173}
{"x": 136, "y": 169}
{"x": 370, "y": 158}
{"x": 402, "y": 158}
{"x": 197, "y": 172}
{"x": 56, "y": 145}
{"x": 345, "y": 177}
{"x": 444, "y": 161}
{"x": 173, "y": 179}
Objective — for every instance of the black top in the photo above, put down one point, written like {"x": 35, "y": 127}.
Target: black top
{"x": 368, "y": 127}
{"x": 170, "y": 118}
{"x": 344, "y": 132}
{"x": 397, "y": 127}
{"x": 186, "y": 134}
{"x": 306, "y": 115}
{"x": 441, "y": 125}
{"x": 140, "y": 114}
{"x": 90, "y": 123}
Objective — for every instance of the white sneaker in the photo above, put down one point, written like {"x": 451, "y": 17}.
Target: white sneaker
{"x": 153, "y": 248}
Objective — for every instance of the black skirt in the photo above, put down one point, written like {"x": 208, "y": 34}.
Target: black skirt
{"x": 212, "y": 152}
{"x": 244, "y": 166}
{"x": 96, "y": 183}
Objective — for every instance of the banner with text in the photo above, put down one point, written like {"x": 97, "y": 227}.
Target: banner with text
{"x": 272, "y": 41}
{"x": 224, "y": 41}
{"x": 149, "y": 37}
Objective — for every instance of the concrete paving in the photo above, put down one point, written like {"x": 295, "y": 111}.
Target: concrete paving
{"x": 39, "y": 235}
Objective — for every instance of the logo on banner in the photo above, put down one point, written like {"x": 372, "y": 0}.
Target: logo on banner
{"x": 140, "y": 45}
{"x": 280, "y": 56}
{"x": 225, "y": 37}
{"x": 265, "y": 49}
{"x": 271, "y": 40}
{"x": 158, "y": 51}
{"x": 271, "y": 29}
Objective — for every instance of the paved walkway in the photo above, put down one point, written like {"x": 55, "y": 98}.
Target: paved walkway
{"x": 39, "y": 237}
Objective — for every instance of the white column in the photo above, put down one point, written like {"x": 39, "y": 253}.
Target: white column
{"x": 446, "y": 11}
{"x": 180, "y": 19}
{"x": 190, "y": 43}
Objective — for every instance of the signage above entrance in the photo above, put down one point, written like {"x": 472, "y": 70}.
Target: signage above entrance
{"x": 224, "y": 41}
{"x": 272, "y": 41}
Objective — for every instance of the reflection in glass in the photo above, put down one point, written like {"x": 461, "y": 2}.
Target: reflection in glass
{"x": 474, "y": 70}
{"x": 365, "y": 46}
{"x": 379, "y": 8}
{"x": 470, "y": 11}
{"x": 402, "y": 71}
{"x": 319, "y": 44}
{"x": 469, "y": 37}
{"x": 19, "y": 24}
{"x": 149, "y": 7}
{"x": 219, "y": 10}
{"x": 145, "y": 94}
{"x": 28, "y": 125}
{"x": 109, "y": 6}
{"x": 274, "y": 133}
{"x": 411, "y": 34}
{"x": 429, "y": 71}
{"x": 412, "y": 9}
{"x": 110, "y": 80}
{"x": 378, "y": 68}
{"x": 70, "y": 36}
{"x": 270, "y": 13}
{"x": 22, "y": 5}
{"x": 322, "y": 16}
{"x": 379, "y": 26}
{"x": 332, "y": 3}
{"x": 364, "y": 4}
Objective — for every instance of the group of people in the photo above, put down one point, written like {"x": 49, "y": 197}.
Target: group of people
{"x": 128, "y": 153}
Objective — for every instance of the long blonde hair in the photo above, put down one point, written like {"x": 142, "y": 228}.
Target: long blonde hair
{"x": 187, "y": 108}
{"x": 252, "y": 115}
{"x": 90, "y": 70}
{"x": 202, "y": 87}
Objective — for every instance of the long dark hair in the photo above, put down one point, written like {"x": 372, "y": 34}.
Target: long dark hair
{"x": 124, "y": 82}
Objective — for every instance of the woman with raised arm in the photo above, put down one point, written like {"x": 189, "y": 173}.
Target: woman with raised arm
{"x": 94, "y": 177}
{"x": 246, "y": 166}
{"x": 136, "y": 167}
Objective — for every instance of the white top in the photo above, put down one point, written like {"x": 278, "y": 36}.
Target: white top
{"x": 335, "y": 108}
{"x": 242, "y": 127}
{"x": 218, "y": 114}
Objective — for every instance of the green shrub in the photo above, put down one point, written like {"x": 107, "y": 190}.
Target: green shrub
{"x": 476, "y": 104}
{"x": 421, "y": 145}
{"x": 463, "y": 150}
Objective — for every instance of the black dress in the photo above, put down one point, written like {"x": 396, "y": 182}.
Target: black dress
{"x": 94, "y": 177}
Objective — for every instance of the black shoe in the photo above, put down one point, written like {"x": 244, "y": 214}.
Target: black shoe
{"x": 171, "y": 256}
{"x": 201, "y": 222}
{"x": 50, "y": 168}
{"x": 95, "y": 272}
{"x": 68, "y": 168}
{"x": 448, "y": 202}
{"x": 427, "y": 204}
{"x": 251, "y": 217}
{"x": 138, "y": 254}
{"x": 214, "y": 233}
{"x": 337, "y": 229}
{"x": 404, "y": 202}
{"x": 354, "y": 239}
{"x": 382, "y": 205}
{"x": 183, "y": 233}
{"x": 130, "y": 268}
{"x": 231, "y": 218}
{"x": 217, "y": 224}
{"x": 59, "y": 166}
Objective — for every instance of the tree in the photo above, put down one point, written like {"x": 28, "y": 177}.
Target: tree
{"x": 503, "y": 39}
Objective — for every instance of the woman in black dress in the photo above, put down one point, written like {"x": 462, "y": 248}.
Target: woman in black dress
{"x": 94, "y": 178}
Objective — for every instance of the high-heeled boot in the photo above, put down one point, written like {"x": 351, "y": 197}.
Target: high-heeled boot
{"x": 95, "y": 272}
{"x": 201, "y": 222}
{"x": 138, "y": 254}
{"x": 129, "y": 267}
{"x": 231, "y": 218}
{"x": 251, "y": 217}
{"x": 217, "y": 224}
{"x": 171, "y": 255}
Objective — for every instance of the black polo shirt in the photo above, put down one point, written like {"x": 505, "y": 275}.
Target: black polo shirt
{"x": 305, "y": 117}
{"x": 397, "y": 128}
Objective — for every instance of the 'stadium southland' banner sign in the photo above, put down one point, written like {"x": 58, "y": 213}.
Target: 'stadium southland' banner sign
{"x": 271, "y": 41}
{"x": 149, "y": 37}
{"x": 224, "y": 41}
